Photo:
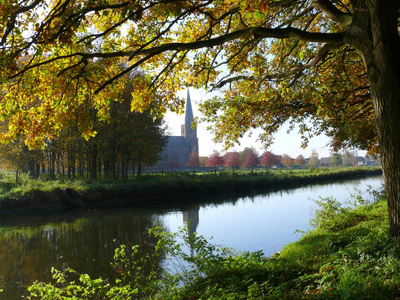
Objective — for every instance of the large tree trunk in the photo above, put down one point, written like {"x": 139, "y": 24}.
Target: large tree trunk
{"x": 387, "y": 112}
{"x": 383, "y": 65}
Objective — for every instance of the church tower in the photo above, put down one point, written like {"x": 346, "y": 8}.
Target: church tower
{"x": 189, "y": 133}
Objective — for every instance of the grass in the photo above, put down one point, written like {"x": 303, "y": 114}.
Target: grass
{"x": 354, "y": 259}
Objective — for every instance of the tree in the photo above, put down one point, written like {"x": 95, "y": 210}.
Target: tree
{"x": 314, "y": 159}
{"x": 335, "y": 62}
{"x": 242, "y": 155}
{"x": 251, "y": 159}
{"x": 336, "y": 159}
{"x": 287, "y": 160}
{"x": 128, "y": 138}
{"x": 17, "y": 157}
{"x": 268, "y": 159}
{"x": 232, "y": 160}
{"x": 349, "y": 159}
{"x": 193, "y": 161}
{"x": 215, "y": 160}
{"x": 203, "y": 160}
{"x": 300, "y": 161}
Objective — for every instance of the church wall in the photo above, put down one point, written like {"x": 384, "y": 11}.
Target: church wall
{"x": 174, "y": 157}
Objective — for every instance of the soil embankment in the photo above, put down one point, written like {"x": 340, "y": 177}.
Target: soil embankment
{"x": 166, "y": 190}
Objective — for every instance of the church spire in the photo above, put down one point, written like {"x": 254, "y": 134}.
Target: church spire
{"x": 189, "y": 112}
{"x": 189, "y": 133}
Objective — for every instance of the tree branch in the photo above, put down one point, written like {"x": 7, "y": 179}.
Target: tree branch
{"x": 281, "y": 3}
{"x": 332, "y": 12}
{"x": 232, "y": 79}
{"x": 81, "y": 54}
{"x": 257, "y": 32}
{"x": 11, "y": 23}
{"x": 321, "y": 55}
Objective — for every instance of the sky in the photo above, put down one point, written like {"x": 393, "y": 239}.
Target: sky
{"x": 284, "y": 143}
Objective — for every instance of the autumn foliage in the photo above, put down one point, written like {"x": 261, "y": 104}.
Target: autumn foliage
{"x": 215, "y": 160}
{"x": 194, "y": 160}
{"x": 251, "y": 159}
{"x": 300, "y": 161}
{"x": 287, "y": 160}
{"x": 60, "y": 58}
{"x": 330, "y": 66}
{"x": 232, "y": 160}
{"x": 268, "y": 159}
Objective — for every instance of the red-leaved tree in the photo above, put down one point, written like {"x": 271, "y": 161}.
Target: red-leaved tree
{"x": 268, "y": 159}
{"x": 251, "y": 159}
{"x": 215, "y": 160}
{"x": 193, "y": 161}
{"x": 232, "y": 160}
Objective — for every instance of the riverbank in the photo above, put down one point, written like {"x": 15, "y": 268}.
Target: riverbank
{"x": 38, "y": 196}
{"x": 348, "y": 256}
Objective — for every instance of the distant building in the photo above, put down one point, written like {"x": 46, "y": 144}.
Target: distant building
{"x": 325, "y": 161}
{"x": 372, "y": 160}
{"x": 178, "y": 148}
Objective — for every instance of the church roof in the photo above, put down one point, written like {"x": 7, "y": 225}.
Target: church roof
{"x": 188, "y": 112}
{"x": 177, "y": 141}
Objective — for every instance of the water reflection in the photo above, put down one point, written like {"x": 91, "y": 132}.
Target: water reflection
{"x": 191, "y": 219}
{"x": 85, "y": 244}
{"x": 265, "y": 221}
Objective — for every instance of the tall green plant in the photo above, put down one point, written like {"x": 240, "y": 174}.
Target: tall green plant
{"x": 134, "y": 282}
{"x": 192, "y": 262}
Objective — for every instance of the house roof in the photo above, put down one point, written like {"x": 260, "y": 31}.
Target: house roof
{"x": 325, "y": 159}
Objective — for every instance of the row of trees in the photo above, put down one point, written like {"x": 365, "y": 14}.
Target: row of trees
{"x": 249, "y": 158}
{"x": 124, "y": 142}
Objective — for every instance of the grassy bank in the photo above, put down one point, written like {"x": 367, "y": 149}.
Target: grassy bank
{"x": 347, "y": 256}
{"x": 164, "y": 188}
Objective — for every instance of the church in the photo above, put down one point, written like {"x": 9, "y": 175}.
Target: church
{"x": 178, "y": 148}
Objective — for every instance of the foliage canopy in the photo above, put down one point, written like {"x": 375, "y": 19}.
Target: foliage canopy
{"x": 280, "y": 60}
{"x": 334, "y": 61}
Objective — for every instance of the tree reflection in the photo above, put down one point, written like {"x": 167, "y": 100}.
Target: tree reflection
{"x": 85, "y": 244}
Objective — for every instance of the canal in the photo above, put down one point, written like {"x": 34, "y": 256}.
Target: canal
{"x": 31, "y": 246}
